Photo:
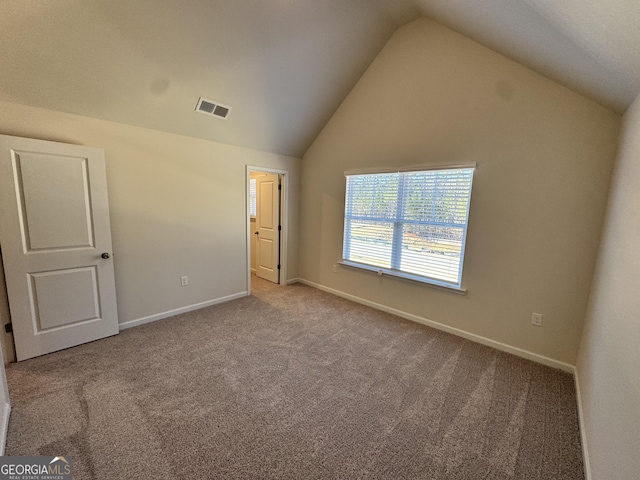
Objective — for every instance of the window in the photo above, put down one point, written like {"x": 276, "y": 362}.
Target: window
{"x": 252, "y": 197}
{"x": 410, "y": 224}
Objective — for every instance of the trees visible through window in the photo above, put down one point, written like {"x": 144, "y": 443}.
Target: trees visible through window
{"x": 411, "y": 224}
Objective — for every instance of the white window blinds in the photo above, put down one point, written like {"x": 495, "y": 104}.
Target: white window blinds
{"x": 409, "y": 223}
{"x": 252, "y": 197}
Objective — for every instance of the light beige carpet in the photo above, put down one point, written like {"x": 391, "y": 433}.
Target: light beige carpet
{"x": 294, "y": 383}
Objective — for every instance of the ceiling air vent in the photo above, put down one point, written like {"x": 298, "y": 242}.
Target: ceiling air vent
{"x": 212, "y": 108}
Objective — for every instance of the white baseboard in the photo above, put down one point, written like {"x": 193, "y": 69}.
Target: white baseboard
{"x": 550, "y": 362}
{"x": 291, "y": 281}
{"x": 4, "y": 425}
{"x": 583, "y": 431}
{"x": 170, "y": 313}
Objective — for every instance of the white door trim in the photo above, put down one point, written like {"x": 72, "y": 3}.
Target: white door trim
{"x": 284, "y": 215}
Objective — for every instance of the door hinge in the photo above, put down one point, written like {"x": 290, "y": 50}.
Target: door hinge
{"x": 279, "y": 228}
{"x": 8, "y": 328}
{"x": 278, "y": 266}
{"x": 279, "y": 186}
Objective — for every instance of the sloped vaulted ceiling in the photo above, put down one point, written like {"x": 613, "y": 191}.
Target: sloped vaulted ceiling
{"x": 591, "y": 46}
{"x": 284, "y": 66}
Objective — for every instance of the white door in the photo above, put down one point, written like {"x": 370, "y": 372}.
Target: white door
{"x": 56, "y": 245}
{"x": 268, "y": 227}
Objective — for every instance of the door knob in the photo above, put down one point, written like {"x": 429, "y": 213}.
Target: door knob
{"x": 105, "y": 255}
{"x": 257, "y": 233}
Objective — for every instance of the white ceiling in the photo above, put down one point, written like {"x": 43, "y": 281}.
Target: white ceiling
{"x": 284, "y": 66}
{"x": 591, "y": 46}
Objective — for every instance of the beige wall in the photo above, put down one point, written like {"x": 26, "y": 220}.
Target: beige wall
{"x": 177, "y": 205}
{"x": 609, "y": 359}
{"x": 544, "y": 158}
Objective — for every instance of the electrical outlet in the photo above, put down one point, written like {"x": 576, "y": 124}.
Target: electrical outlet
{"x": 184, "y": 281}
{"x": 536, "y": 319}
{"x": 335, "y": 268}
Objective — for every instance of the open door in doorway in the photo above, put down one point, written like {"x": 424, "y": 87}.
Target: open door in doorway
{"x": 56, "y": 245}
{"x": 268, "y": 226}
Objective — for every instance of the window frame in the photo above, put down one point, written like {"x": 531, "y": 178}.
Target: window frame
{"x": 398, "y": 221}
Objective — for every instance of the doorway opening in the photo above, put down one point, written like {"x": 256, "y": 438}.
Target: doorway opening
{"x": 266, "y": 224}
{"x": 8, "y": 346}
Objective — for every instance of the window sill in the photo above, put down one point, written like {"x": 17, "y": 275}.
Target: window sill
{"x": 405, "y": 276}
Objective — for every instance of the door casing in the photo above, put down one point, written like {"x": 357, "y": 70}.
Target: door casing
{"x": 284, "y": 216}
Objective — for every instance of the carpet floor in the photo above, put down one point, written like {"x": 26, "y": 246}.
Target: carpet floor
{"x": 294, "y": 383}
